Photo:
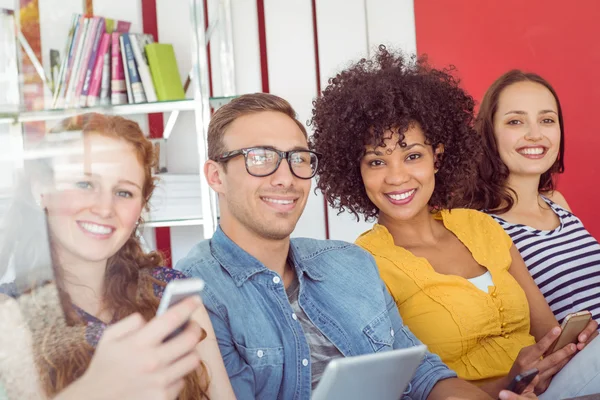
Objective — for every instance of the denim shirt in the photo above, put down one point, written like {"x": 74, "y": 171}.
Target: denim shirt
{"x": 261, "y": 341}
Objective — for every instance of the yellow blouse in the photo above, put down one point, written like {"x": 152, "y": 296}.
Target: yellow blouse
{"x": 477, "y": 334}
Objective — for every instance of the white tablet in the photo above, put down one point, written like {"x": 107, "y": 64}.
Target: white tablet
{"x": 381, "y": 376}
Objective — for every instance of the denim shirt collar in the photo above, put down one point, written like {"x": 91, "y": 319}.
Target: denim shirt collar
{"x": 241, "y": 266}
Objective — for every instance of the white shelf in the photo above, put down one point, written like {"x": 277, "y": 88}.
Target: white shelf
{"x": 15, "y": 116}
{"x": 174, "y": 223}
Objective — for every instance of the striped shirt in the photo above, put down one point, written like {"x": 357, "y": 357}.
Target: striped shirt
{"x": 564, "y": 262}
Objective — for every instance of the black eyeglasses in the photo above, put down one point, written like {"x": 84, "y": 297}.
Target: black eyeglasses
{"x": 264, "y": 161}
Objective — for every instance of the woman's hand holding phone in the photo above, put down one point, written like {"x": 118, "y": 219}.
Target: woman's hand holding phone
{"x": 531, "y": 357}
{"x": 587, "y": 335}
{"x": 132, "y": 361}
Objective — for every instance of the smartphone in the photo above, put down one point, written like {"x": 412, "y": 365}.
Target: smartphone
{"x": 571, "y": 327}
{"x": 176, "y": 291}
{"x": 521, "y": 381}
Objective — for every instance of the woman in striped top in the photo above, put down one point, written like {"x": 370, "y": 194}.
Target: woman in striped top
{"x": 520, "y": 120}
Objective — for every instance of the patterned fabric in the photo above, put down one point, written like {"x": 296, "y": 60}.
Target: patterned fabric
{"x": 564, "y": 262}
{"x": 96, "y": 327}
{"x": 477, "y": 334}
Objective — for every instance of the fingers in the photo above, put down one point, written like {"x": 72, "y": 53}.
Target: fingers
{"x": 162, "y": 326}
{"x": 180, "y": 345}
{"x": 590, "y": 329}
{"x": 124, "y": 327}
{"x": 550, "y": 365}
{"x": 544, "y": 343}
{"x": 175, "y": 388}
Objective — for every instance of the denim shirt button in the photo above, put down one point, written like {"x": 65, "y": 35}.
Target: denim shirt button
{"x": 305, "y": 362}
{"x": 294, "y": 317}
{"x": 276, "y": 279}
{"x": 392, "y": 333}
{"x": 260, "y": 353}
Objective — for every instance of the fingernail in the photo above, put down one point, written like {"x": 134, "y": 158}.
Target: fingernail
{"x": 556, "y": 330}
{"x": 583, "y": 338}
{"x": 503, "y": 395}
{"x": 572, "y": 347}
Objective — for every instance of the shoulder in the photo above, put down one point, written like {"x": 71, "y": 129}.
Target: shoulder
{"x": 478, "y": 225}
{"x": 199, "y": 258}
{"x": 556, "y": 197}
{"x": 313, "y": 248}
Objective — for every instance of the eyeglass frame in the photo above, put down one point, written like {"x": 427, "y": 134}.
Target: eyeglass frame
{"x": 224, "y": 157}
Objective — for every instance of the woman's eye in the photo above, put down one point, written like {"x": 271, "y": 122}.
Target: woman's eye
{"x": 414, "y": 156}
{"x": 548, "y": 121}
{"x": 375, "y": 163}
{"x": 514, "y": 122}
{"x": 124, "y": 193}
{"x": 84, "y": 185}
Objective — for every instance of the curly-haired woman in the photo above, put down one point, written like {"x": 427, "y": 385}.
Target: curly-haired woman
{"x": 400, "y": 148}
{"x": 521, "y": 123}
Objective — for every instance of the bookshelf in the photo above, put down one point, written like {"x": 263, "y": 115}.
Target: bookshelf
{"x": 195, "y": 204}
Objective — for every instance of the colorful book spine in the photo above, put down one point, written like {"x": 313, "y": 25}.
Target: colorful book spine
{"x": 165, "y": 74}
{"x": 62, "y": 73}
{"x": 118, "y": 85}
{"x": 85, "y": 59}
{"x": 138, "y": 45}
{"x": 77, "y": 34}
{"x": 106, "y": 78}
{"x": 100, "y": 29}
{"x": 131, "y": 73}
{"x": 74, "y": 79}
{"x": 93, "y": 94}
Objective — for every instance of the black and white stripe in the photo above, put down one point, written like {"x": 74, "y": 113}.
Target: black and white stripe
{"x": 564, "y": 262}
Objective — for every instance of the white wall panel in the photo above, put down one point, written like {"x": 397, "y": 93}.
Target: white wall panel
{"x": 391, "y": 23}
{"x": 246, "y": 49}
{"x": 292, "y": 75}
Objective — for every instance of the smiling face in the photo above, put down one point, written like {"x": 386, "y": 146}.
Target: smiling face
{"x": 400, "y": 180}
{"x": 95, "y": 200}
{"x": 270, "y": 206}
{"x": 526, "y": 128}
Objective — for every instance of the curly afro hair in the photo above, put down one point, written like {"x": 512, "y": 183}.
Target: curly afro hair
{"x": 390, "y": 90}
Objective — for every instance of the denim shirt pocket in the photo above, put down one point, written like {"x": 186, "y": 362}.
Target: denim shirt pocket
{"x": 261, "y": 357}
{"x": 380, "y": 332}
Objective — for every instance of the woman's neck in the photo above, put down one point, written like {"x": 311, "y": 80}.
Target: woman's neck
{"x": 84, "y": 282}
{"x": 527, "y": 198}
{"x": 422, "y": 229}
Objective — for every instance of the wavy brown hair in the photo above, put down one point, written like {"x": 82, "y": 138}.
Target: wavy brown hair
{"x": 129, "y": 284}
{"x": 389, "y": 91}
{"x": 491, "y": 192}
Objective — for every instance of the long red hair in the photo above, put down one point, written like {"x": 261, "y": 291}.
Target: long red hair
{"x": 129, "y": 285}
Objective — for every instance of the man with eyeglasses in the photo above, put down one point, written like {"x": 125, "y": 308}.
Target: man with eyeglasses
{"x": 282, "y": 308}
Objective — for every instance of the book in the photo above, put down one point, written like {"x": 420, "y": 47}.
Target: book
{"x": 85, "y": 58}
{"x": 65, "y": 70}
{"x": 93, "y": 95}
{"x": 113, "y": 25}
{"x": 132, "y": 78}
{"x": 165, "y": 74}
{"x": 117, "y": 85}
{"x": 91, "y": 64}
{"x": 138, "y": 45}
{"x": 76, "y": 67}
{"x": 106, "y": 78}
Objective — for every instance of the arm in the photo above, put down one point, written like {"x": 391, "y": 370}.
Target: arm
{"x": 542, "y": 318}
{"x": 456, "y": 388}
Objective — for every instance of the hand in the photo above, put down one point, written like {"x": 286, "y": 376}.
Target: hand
{"x": 586, "y": 336}
{"x": 531, "y": 357}
{"x": 132, "y": 362}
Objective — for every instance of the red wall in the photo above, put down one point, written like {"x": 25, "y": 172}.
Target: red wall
{"x": 554, "y": 38}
